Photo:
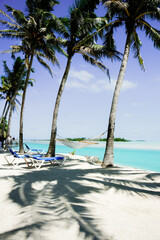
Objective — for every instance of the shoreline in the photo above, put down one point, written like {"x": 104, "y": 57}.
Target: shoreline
{"x": 137, "y": 145}
{"x": 78, "y": 201}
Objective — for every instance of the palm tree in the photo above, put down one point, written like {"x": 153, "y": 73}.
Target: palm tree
{"x": 37, "y": 39}
{"x": 12, "y": 109}
{"x": 7, "y": 89}
{"x": 132, "y": 14}
{"x": 81, "y": 22}
{"x": 12, "y": 83}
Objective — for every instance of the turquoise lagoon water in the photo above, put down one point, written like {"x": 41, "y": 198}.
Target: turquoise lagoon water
{"x": 141, "y": 155}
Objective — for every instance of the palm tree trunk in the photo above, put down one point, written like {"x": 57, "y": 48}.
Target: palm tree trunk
{"x": 10, "y": 117}
{"x": 4, "y": 109}
{"x": 21, "y": 149}
{"x": 9, "y": 120}
{"x": 108, "y": 159}
{"x": 52, "y": 144}
{"x": 3, "y": 121}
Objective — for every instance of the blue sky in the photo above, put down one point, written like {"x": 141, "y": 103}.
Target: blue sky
{"x": 86, "y": 101}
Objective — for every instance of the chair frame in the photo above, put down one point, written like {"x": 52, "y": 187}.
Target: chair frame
{"x": 16, "y": 156}
{"x": 38, "y": 162}
{"x": 29, "y": 150}
{"x": 35, "y": 160}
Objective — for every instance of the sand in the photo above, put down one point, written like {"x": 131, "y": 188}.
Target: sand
{"x": 78, "y": 201}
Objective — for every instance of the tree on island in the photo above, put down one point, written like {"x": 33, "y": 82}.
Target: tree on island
{"x": 132, "y": 15}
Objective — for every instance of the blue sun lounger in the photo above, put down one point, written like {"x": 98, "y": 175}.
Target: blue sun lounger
{"x": 29, "y": 150}
{"x": 16, "y": 156}
{"x": 37, "y": 162}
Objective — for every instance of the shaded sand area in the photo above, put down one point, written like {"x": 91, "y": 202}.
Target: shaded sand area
{"x": 78, "y": 201}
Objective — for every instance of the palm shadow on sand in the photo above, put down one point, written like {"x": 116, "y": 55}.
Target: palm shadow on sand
{"x": 56, "y": 197}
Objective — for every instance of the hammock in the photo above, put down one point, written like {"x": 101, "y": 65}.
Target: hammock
{"x": 79, "y": 144}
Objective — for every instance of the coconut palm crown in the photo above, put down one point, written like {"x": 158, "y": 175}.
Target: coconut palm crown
{"x": 133, "y": 15}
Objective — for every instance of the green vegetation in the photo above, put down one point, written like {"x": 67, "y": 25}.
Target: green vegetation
{"x": 99, "y": 140}
{"x": 3, "y": 129}
{"x": 73, "y": 153}
{"x": 76, "y": 139}
{"x": 115, "y": 140}
{"x": 102, "y": 139}
{"x": 121, "y": 140}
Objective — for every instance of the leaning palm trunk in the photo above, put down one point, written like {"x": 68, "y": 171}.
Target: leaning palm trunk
{"x": 52, "y": 144}
{"x": 108, "y": 159}
{"x": 21, "y": 149}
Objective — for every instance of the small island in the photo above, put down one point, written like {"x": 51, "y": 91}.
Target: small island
{"x": 98, "y": 139}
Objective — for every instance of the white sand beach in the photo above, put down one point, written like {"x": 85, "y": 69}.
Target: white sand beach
{"x": 78, "y": 201}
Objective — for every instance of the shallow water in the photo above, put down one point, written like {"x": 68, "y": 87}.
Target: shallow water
{"x": 143, "y": 155}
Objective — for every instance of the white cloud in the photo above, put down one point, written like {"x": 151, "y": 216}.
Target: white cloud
{"x": 128, "y": 85}
{"x": 75, "y": 84}
{"x": 82, "y": 80}
{"x": 127, "y": 115}
{"x": 136, "y": 104}
{"x": 94, "y": 88}
{"x": 110, "y": 86}
{"x": 157, "y": 79}
{"x": 81, "y": 75}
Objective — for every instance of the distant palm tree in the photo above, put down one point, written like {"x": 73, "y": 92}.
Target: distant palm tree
{"x": 37, "y": 39}
{"x": 133, "y": 16}
{"x": 81, "y": 22}
{"x": 11, "y": 84}
{"x": 13, "y": 107}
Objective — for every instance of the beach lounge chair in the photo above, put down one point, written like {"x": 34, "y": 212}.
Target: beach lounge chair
{"x": 16, "y": 156}
{"x": 37, "y": 162}
{"x": 29, "y": 150}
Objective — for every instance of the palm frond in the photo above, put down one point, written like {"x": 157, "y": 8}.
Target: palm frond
{"x": 18, "y": 15}
{"x": 107, "y": 51}
{"x": 136, "y": 48}
{"x": 151, "y": 32}
{"x": 6, "y": 51}
{"x": 57, "y": 25}
{"x": 6, "y": 69}
{"x": 118, "y": 4}
{"x": 49, "y": 54}
{"x": 89, "y": 36}
{"x": 95, "y": 63}
{"x": 12, "y": 25}
{"x": 45, "y": 65}
{"x": 10, "y": 33}
{"x": 6, "y": 15}
{"x": 87, "y": 50}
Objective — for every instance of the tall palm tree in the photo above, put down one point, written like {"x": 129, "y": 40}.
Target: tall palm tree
{"x": 81, "y": 22}
{"x": 132, "y": 15}
{"x": 36, "y": 32}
